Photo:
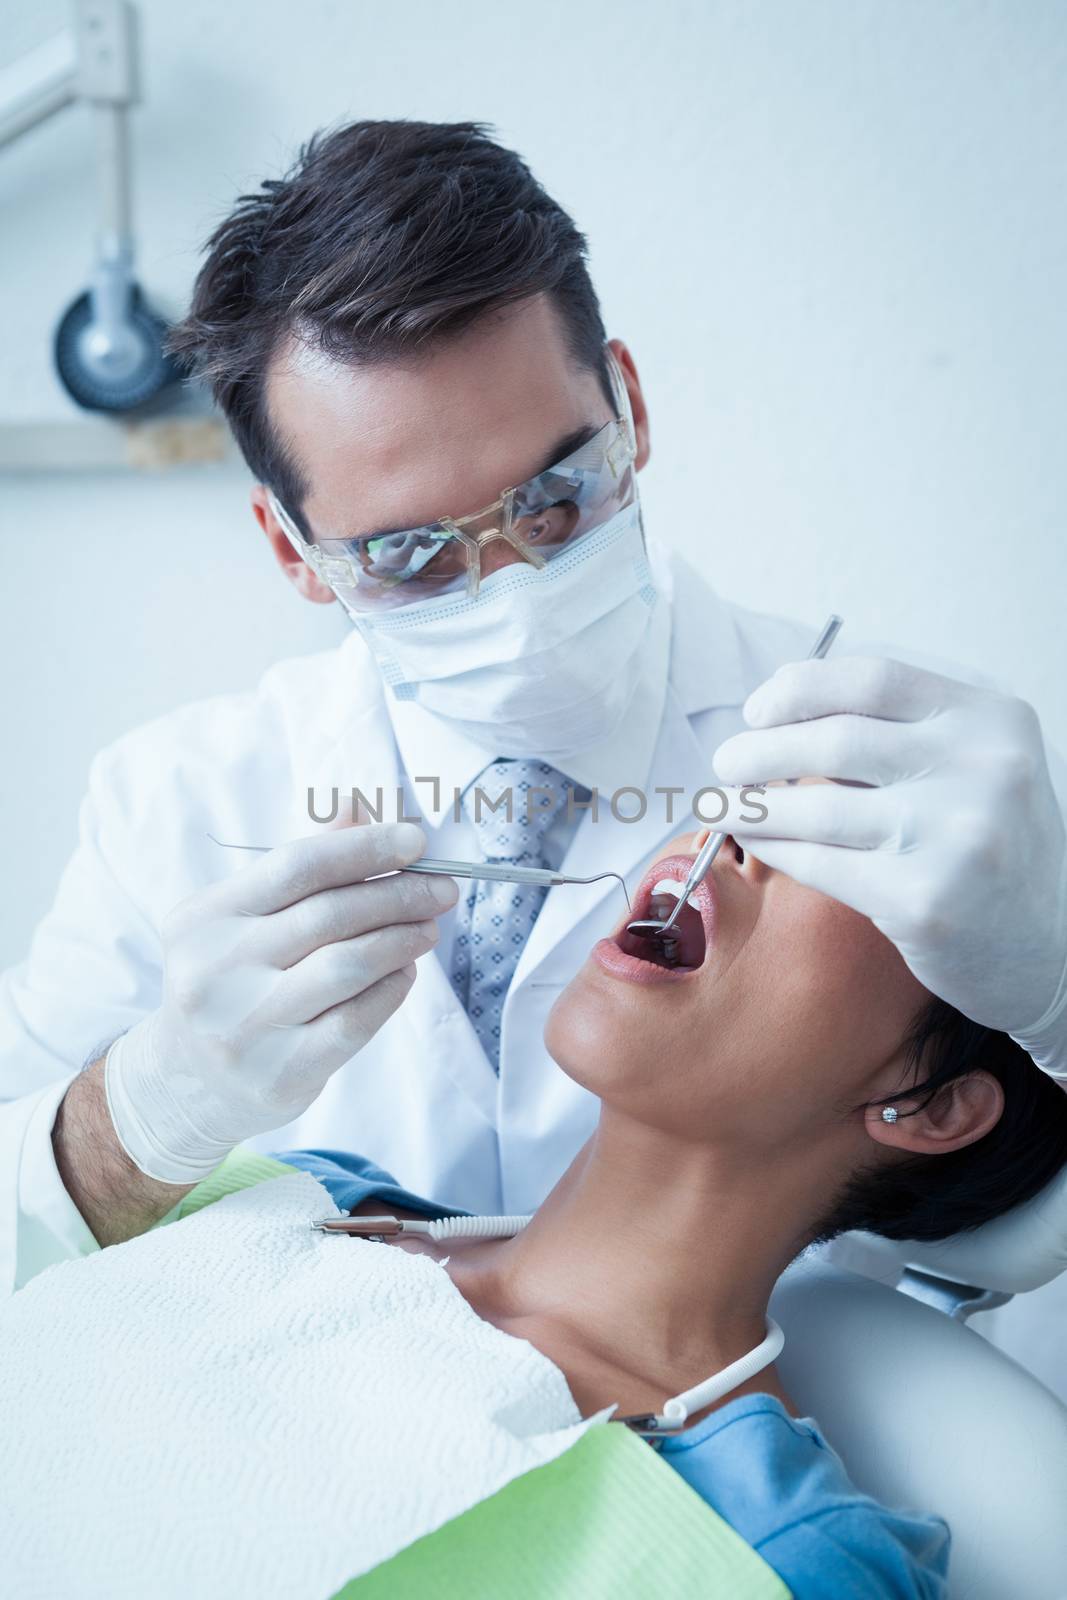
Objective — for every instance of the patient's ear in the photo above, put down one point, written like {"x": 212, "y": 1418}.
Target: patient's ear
{"x": 961, "y": 1112}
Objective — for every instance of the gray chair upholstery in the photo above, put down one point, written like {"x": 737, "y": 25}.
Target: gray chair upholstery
{"x": 926, "y": 1413}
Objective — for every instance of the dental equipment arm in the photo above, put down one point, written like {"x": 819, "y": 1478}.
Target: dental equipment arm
{"x": 109, "y": 346}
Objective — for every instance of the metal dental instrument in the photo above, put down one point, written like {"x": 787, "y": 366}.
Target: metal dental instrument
{"x": 491, "y": 870}
{"x": 508, "y": 874}
{"x": 440, "y": 1229}
{"x": 650, "y": 928}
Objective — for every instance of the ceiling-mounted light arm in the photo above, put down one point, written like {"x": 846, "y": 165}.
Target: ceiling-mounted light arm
{"x": 109, "y": 346}
{"x": 107, "y": 79}
{"x": 37, "y": 86}
{"x": 95, "y": 60}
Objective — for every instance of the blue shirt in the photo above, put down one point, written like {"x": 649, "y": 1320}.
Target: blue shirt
{"x": 771, "y": 1476}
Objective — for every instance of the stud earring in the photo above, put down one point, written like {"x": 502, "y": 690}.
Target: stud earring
{"x": 889, "y": 1114}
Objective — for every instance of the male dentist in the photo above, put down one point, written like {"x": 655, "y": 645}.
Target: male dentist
{"x": 405, "y": 340}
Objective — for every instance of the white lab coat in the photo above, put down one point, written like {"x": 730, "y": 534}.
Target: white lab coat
{"x": 421, "y": 1098}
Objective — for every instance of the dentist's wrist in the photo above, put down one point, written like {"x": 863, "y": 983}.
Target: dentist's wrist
{"x": 117, "y": 1200}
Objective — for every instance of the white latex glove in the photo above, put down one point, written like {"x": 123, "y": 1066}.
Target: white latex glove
{"x": 273, "y": 978}
{"x": 957, "y": 853}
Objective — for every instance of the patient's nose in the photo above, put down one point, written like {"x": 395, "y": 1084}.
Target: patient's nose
{"x": 733, "y": 856}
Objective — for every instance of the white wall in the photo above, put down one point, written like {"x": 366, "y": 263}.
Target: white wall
{"x": 831, "y": 231}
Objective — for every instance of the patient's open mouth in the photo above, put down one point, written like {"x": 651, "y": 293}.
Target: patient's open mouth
{"x": 683, "y": 951}
{"x": 685, "y": 945}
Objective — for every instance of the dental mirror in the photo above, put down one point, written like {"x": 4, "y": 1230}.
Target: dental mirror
{"x": 662, "y": 930}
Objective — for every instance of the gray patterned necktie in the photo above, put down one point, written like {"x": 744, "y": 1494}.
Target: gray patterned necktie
{"x": 495, "y": 922}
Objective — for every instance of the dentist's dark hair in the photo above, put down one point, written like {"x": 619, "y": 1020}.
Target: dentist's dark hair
{"x": 383, "y": 238}
{"x": 933, "y": 1197}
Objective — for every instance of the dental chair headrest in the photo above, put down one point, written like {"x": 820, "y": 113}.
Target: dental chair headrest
{"x": 1020, "y": 1250}
{"x": 927, "y": 1413}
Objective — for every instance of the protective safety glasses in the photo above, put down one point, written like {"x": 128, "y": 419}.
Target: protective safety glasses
{"x": 539, "y": 519}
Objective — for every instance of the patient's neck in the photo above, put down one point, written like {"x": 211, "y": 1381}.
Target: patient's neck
{"x": 661, "y": 1250}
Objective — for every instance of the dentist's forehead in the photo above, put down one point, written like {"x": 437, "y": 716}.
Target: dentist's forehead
{"x": 402, "y": 442}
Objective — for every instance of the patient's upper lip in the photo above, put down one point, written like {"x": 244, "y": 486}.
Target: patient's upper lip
{"x": 704, "y": 897}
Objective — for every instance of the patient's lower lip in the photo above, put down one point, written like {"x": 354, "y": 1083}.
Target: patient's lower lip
{"x": 606, "y": 954}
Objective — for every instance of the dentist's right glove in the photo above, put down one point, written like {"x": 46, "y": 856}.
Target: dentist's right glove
{"x": 273, "y": 978}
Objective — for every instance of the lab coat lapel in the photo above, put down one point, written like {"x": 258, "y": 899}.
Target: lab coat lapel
{"x": 351, "y": 743}
{"x": 346, "y": 742}
{"x": 443, "y": 1033}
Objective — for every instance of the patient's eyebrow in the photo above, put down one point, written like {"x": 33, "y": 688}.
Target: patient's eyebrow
{"x": 562, "y": 448}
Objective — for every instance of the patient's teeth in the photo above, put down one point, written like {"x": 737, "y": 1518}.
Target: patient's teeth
{"x": 672, "y": 886}
{"x": 667, "y": 886}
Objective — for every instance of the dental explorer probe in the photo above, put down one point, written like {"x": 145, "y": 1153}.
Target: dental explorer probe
{"x": 650, "y": 929}
{"x": 503, "y": 873}
{"x": 496, "y": 872}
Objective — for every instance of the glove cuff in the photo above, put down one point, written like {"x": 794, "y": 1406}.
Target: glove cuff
{"x": 148, "y": 1152}
{"x": 1046, "y": 1041}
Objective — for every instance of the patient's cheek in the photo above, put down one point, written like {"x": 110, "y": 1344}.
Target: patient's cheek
{"x": 871, "y": 965}
{"x": 802, "y": 929}
{"x": 835, "y": 980}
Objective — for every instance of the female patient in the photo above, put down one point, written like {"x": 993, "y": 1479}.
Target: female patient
{"x": 743, "y": 1094}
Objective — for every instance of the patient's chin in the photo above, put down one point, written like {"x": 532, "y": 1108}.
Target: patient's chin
{"x": 587, "y": 1039}
{"x": 558, "y": 1029}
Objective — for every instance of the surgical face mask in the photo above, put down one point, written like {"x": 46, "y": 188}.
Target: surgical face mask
{"x": 541, "y": 662}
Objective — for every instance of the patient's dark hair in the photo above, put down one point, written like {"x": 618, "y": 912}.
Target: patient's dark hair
{"x": 932, "y": 1197}
{"x": 383, "y": 238}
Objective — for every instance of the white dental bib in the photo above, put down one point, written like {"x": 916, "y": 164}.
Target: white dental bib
{"x": 237, "y": 1406}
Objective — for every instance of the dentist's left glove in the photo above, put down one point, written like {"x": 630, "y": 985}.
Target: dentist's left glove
{"x": 954, "y": 844}
{"x": 273, "y": 978}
